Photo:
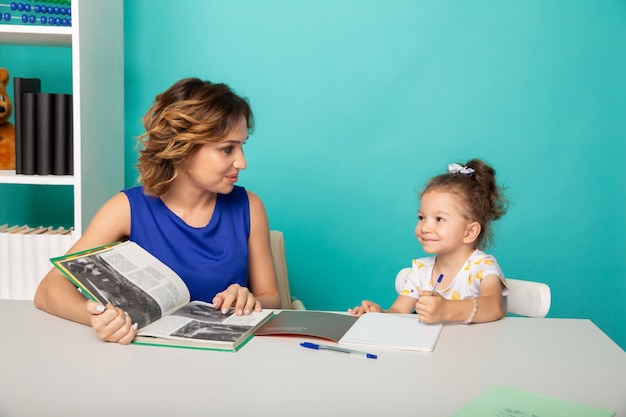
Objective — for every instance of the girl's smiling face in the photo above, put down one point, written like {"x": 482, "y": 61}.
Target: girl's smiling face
{"x": 441, "y": 225}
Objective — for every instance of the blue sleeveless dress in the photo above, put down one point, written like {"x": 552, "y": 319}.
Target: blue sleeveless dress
{"x": 208, "y": 258}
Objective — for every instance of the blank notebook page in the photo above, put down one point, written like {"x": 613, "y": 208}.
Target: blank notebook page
{"x": 393, "y": 331}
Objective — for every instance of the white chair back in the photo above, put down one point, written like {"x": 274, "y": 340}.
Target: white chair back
{"x": 402, "y": 274}
{"x": 528, "y": 298}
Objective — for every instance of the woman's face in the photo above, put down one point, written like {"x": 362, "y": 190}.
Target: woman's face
{"x": 215, "y": 166}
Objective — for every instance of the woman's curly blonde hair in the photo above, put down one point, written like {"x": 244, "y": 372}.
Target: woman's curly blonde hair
{"x": 189, "y": 114}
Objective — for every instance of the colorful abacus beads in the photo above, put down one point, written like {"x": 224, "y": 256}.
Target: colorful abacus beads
{"x": 41, "y": 8}
{"x": 57, "y": 16}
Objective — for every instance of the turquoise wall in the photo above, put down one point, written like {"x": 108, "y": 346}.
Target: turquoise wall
{"x": 359, "y": 102}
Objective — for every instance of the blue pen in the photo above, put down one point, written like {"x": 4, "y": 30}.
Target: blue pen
{"x": 310, "y": 345}
{"x": 437, "y": 284}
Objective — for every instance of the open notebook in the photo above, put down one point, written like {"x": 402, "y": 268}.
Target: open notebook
{"x": 394, "y": 331}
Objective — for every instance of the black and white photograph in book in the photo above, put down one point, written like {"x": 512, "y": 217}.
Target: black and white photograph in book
{"x": 113, "y": 288}
{"x": 208, "y": 324}
{"x": 204, "y": 312}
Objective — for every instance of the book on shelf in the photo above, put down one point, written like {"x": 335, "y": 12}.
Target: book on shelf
{"x": 44, "y": 137}
{"x": 392, "y": 331}
{"x": 70, "y": 139}
{"x": 157, "y": 299}
{"x": 17, "y": 249}
{"x": 7, "y": 251}
{"x": 35, "y": 246}
{"x": 24, "y": 257}
{"x": 62, "y": 152}
{"x": 29, "y": 133}
{"x": 21, "y": 86}
{"x": 44, "y": 133}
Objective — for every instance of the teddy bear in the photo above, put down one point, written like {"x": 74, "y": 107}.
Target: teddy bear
{"x": 7, "y": 130}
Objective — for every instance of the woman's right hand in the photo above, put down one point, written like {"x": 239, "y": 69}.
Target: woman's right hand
{"x": 112, "y": 324}
{"x": 365, "y": 307}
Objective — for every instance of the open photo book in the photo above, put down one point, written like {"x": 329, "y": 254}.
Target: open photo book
{"x": 393, "y": 331}
{"x": 127, "y": 276}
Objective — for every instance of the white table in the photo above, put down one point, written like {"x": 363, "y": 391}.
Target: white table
{"x": 53, "y": 367}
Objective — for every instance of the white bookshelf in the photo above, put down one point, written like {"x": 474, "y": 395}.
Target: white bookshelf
{"x": 36, "y": 35}
{"x": 97, "y": 41}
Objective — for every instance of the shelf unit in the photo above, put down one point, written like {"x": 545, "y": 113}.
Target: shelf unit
{"x": 97, "y": 41}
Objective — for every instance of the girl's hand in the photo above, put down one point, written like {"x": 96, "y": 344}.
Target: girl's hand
{"x": 240, "y": 297}
{"x": 112, "y": 324}
{"x": 429, "y": 307}
{"x": 365, "y": 307}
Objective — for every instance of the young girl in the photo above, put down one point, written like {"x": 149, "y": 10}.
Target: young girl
{"x": 455, "y": 212}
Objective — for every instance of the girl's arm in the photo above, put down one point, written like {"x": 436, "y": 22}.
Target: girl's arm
{"x": 489, "y": 306}
{"x": 403, "y": 305}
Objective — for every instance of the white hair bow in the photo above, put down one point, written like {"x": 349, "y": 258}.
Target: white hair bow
{"x": 458, "y": 169}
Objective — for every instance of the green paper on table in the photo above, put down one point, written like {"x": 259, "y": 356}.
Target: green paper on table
{"x": 509, "y": 402}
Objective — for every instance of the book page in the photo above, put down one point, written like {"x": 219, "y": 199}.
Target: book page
{"x": 397, "y": 331}
{"x": 201, "y": 321}
{"x": 127, "y": 276}
{"x": 326, "y": 325}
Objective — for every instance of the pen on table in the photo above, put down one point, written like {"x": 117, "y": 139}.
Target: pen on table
{"x": 437, "y": 284}
{"x": 310, "y": 345}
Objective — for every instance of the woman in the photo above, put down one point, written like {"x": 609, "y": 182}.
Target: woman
{"x": 188, "y": 212}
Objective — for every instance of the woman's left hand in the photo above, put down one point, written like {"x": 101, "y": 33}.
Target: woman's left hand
{"x": 238, "y": 297}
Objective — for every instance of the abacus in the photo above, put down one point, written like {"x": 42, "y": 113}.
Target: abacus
{"x": 48, "y": 13}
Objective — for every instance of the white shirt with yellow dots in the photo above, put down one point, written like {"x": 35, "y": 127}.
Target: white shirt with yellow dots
{"x": 466, "y": 283}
